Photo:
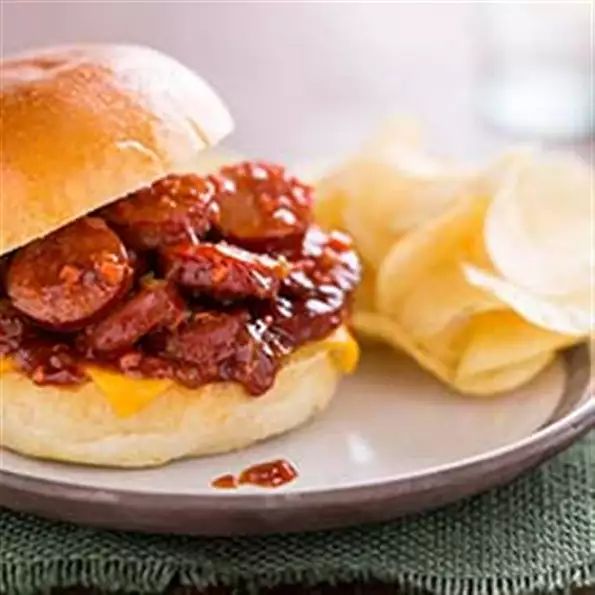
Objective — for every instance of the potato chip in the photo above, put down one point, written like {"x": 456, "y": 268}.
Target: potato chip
{"x": 388, "y": 189}
{"x": 494, "y": 174}
{"x": 569, "y": 314}
{"x": 365, "y": 294}
{"x": 464, "y": 333}
{"x": 538, "y": 224}
{"x": 372, "y": 325}
{"x": 456, "y": 262}
{"x": 478, "y": 376}
{"x": 329, "y": 207}
{"x": 486, "y": 363}
{"x": 503, "y": 351}
{"x": 496, "y": 339}
{"x": 508, "y": 377}
{"x": 420, "y": 282}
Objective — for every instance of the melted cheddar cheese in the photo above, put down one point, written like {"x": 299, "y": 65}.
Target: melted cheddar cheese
{"x": 127, "y": 395}
{"x": 6, "y": 365}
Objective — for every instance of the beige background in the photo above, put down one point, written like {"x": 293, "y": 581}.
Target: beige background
{"x": 304, "y": 81}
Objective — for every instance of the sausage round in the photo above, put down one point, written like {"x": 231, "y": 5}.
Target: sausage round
{"x": 298, "y": 320}
{"x": 259, "y": 202}
{"x": 324, "y": 259}
{"x": 217, "y": 345}
{"x": 223, "y": 271}
{"x": 206, "y": 340}
{"x": 314, "y": 298}
{"x": 156, "y": 305}
{"x": 65, "y": 279}
{"x": 173, "y": 209}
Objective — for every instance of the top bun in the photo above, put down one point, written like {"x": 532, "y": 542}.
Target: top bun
{"x": 84, "y": 125}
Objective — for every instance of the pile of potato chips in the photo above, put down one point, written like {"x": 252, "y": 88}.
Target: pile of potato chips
{"x": 481, "y": 274}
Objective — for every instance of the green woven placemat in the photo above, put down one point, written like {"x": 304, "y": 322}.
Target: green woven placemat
{"x": 535, "y": 534}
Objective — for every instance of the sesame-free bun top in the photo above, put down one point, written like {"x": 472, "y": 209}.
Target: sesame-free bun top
{"x": 83, "y": 125}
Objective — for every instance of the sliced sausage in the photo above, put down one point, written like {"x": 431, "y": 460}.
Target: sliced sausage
{"x": 223, "y": 271}
{"x": 206, "y": 340}
{"x": 257, "y": 358}
{"x": 222, "y": 346}
{"x": 297, "y": 321}
{"x": 323, "y": 259}
{"x": 156, "y": 305}
{"x": 260, "y": 201}
{"x": 173, "y": 209}
{"x": 4, "y": 262}
{"x": 12, "y": 328}
{"x": 65, "y": 279}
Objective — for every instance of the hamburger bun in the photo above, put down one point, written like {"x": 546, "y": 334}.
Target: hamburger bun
{"x": 79, "y": 425}
{"x": 84, "y": 125}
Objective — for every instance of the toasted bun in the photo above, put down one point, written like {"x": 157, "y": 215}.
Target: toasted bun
{"x": 84, "y": 125}
{"x": 80, "y": 426}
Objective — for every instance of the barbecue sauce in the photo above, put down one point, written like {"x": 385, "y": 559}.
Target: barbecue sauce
{"x": 270, "y": 474}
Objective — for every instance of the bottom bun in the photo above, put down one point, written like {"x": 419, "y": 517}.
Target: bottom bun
{"x": 79, "y": 425}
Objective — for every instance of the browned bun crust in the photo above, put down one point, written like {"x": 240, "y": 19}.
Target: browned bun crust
{"x": 84, "y": 125}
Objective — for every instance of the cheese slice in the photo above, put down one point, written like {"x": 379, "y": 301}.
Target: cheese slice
{"x": 6, "y": 365}
{"x": 127, "y": 395}
{"x": 344, "y": 350}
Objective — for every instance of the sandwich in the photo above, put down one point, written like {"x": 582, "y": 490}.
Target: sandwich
{"x": 149, "y": 312}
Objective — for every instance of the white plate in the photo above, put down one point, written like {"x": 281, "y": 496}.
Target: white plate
{"x": 393, "y": 440}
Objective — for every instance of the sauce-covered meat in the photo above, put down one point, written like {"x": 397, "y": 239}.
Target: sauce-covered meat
{"x": 175, "y": 209}
{"x": 48, "y": 361}
{"x": 206, "y": 340}
{"x": 12, "y": 328}
{"x": 157, "y": 305}
{"x": 315, "y": 296}
{"x": 4, "y": 262}
{"x": 323, "y": 259}
{"x": 64, "y": 280}
{"x": 303, "y": 319}
{"x": 218, "y": 345}
{"x": 223, "y": 271}
{"x": 259, "y": 201}
{"x": 194, "y": 279}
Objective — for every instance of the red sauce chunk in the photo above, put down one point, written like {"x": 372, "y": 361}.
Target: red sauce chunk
{"x": 271, "y": 474}
{"x": 196, "y": 279}
{"x": 225, "y": 482}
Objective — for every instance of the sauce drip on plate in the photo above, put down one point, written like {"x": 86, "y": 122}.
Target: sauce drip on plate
{"x": 225, "y": 482}
{"x": 271, "y": 474}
